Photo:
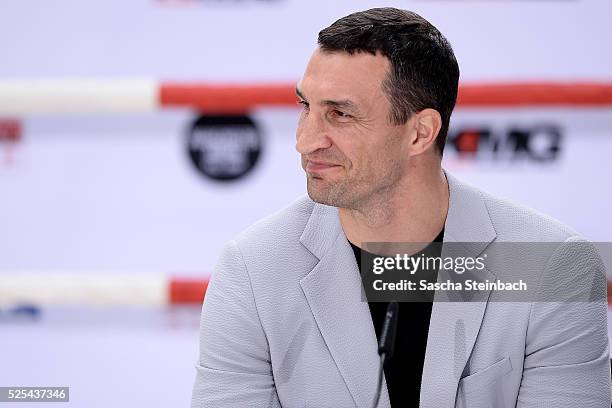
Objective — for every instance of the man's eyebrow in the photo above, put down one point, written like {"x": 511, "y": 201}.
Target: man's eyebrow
{"x": 346, "y": 104}
{"x": 341, "y": 104}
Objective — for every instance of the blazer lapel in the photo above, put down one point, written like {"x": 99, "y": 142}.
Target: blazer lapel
{"x": 333, "y": 290}
{"x": 454, "y": 325}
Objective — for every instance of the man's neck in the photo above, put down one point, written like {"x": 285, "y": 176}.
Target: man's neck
{"x": 414, "y": 211}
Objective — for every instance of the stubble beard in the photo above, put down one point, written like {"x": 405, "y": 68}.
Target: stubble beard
{"x": 335, "y": 194}
{"x": 356, "y": 193}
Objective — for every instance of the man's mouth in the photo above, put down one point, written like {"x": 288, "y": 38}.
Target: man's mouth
{"x": 313, "y": 166}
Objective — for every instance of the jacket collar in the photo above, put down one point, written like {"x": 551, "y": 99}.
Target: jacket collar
{"x": 467, "y": 220}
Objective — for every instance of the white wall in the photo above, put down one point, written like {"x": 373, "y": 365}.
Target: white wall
{"x": 92, "y": 193}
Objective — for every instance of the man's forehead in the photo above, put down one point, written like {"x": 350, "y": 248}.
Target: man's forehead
{"x": 339, "y": 74}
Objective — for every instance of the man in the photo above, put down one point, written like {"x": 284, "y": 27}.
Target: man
{"x": 284, "y": 322}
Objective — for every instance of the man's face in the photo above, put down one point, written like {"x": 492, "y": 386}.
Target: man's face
{"x": 351, "y": 152}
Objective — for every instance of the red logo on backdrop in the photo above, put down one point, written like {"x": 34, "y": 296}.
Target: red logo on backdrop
{"x": 540, "y": 143}
{"x": 10, "y": 135}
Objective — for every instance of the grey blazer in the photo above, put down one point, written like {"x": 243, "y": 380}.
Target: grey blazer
{"x": 283, "y": 324}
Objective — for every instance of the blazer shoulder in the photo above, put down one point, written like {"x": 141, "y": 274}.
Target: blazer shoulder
{"x": 282, "y": 227}
{"x": 515, "y": 222}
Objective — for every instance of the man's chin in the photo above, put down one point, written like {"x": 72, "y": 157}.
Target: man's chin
{"x": 317, "y": 192}
{"x": 321, "y": 192}
{"x": 320, "y": 200}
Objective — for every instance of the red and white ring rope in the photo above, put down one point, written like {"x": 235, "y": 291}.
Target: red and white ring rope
{"x": 88, "y": 289}
{"x": 71, "y": 96}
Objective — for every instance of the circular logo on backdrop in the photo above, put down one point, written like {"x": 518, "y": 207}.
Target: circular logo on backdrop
{"x": 224, "y": 148}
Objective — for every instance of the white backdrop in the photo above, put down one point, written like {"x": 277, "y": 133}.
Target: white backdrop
{"x": 120, "y": 193}
{"x": 117, "y": 193}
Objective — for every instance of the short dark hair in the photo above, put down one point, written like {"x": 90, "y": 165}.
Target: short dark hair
{"x": 424, "y": 71}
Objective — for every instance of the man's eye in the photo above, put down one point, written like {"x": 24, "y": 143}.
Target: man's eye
{"x": 304, "y": 104}
{"x": 340, "y": 114}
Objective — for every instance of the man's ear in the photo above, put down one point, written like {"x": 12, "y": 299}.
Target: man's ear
{"x": 426, "y": 126}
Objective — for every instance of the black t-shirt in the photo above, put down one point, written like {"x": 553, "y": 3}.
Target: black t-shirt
{"x": 404, "y": 371}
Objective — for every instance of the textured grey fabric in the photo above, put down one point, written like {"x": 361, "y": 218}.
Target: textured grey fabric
{"x": 283, "y": 323}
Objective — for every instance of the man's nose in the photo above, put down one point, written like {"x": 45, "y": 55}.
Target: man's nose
{"x": 311, "y": 135}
